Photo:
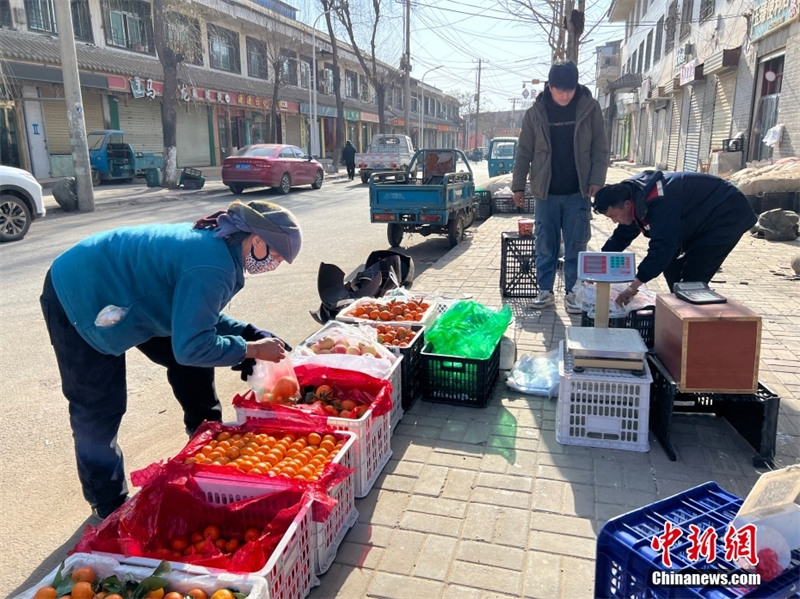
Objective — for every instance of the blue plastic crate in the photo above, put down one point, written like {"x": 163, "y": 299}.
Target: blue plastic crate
{"x": 625, "y": 558}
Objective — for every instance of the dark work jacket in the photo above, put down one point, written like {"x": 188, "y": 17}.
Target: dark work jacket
{"x": 349, "y": 154}
{"x": 696, "y": 210}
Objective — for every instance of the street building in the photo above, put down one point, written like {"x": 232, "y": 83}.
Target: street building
{"x": 697, "y": 85}
{"x": 226, "y": 83}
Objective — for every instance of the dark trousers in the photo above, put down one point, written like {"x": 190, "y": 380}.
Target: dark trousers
{"x": 697, "y": 264}
{"x": 95, "y": 386}
{"x": 351, "y": 170}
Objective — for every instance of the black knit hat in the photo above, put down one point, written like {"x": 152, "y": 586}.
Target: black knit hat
{"x": 563, "y": 75}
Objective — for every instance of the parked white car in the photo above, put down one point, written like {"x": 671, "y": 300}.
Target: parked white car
{"x": 20, "y": 202}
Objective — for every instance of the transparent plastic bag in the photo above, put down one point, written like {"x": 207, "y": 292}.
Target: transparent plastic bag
{"x": 535, "y": 375}
{"x": 274, "y": 382}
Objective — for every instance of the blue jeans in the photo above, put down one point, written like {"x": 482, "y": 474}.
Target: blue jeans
{"x": 95, "y": 386}
{"x": 571, "y": 217}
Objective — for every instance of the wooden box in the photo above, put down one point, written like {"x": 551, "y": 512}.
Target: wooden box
{"x": 711, "y": 348}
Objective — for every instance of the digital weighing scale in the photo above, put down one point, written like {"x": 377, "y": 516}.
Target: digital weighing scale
{"x": 600, "y": 346}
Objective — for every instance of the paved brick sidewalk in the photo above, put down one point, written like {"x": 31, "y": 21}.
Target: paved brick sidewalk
{"x": 480, "y": 503}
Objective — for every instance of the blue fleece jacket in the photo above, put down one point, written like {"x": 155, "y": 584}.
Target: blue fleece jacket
{"x": 696, "y": 210}
{"x": 172, "y": 281}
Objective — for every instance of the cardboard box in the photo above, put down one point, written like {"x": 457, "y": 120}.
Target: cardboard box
{"x": 711, "y": 348}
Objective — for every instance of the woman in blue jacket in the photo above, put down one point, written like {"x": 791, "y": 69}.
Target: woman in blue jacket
{"x": 160, "y": 289}
{"x": 693, "y": 221}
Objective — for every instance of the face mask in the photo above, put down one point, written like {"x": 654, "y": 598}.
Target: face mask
{"x": 255, "y": 266}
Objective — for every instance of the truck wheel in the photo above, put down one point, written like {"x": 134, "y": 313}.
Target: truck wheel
{"x": 469, "y": 217}
{"x": 286, "y": 184}
{"x": 365, "y": 178}
{"x": 455, "y": 230}
{"x": 95, "y": 177}
{"x": 395, "y": 234}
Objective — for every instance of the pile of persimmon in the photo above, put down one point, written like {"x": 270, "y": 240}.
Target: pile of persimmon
{"x": 395, "y": 336}
{"x": 289, "y": 455}
{"x": 325, "y": 397}
{"x": 200, "y": 542}
{"x": 83, "y": 583}
{"x": 393, "y": 310}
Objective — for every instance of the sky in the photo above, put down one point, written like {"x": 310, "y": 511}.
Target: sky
{"x": 454, "y": 35}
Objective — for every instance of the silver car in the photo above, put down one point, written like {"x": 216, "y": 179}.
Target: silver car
{"x": 20, "y": 202}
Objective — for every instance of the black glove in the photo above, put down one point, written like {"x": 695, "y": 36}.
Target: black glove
{"x": 252, "y": 333}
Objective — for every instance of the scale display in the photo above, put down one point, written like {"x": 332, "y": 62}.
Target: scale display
{"x": 606, "y": 267}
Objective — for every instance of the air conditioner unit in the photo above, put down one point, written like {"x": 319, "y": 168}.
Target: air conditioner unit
{"x": 20, "y": 16}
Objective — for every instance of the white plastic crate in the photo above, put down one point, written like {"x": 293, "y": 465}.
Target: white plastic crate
{"x": 289, "y": 571}
{"x": 327, "y": 534}
{"x": 372, "y": 448}
{"x": 348, "y": 314}
{"x": 392, "y": 371}
{"x": 602, "y": 407}
{"x": 253, "y": 587}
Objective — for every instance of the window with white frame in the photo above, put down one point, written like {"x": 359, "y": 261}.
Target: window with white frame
{"x": 305, "y": 73}
{"x": 257, "y": 58}
{"x": 183, "y": 35}
{"x": 326, "y": 83}
{"x": 659, "y": 40}
{"x": 686, "y": 18}
{"x": 223, "y": 49}
{"x": 648, "y": 50}
{"x": 350, "y": 84}
{"x": 128, "y": 25}
{"x": 41, "y": 15}
{"x": 706, "y": 9}
{"x": 289, "y": 68}
{"x": 671, "y": 25}
{"x": 365, "y": 87}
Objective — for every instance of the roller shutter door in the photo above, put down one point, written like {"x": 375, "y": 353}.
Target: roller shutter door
{"x": 141, "y": 122}
{"x": 723, "y": 110}
{"x": 674, "y": 132}
{"x": 292, "y": 135}
{"x": 57, "y": 125}
{"x": 194, "y": 145}
{"x": 690, "y": 162}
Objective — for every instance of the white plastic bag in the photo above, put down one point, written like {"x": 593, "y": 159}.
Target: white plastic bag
{"x": 346, "y": 346}
{"x": 535, "y": 375}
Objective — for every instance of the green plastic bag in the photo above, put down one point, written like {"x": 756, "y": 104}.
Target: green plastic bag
{"x": 468, "y": 329}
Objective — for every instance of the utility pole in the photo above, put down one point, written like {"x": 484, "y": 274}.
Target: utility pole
{"x": 407, "y": 68}
{"x": 513, "y": 109}
{"x": 74, "y": 101}
{"x": 478, "y": 108}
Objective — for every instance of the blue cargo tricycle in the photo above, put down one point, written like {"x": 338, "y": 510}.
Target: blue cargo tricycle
{"x": 435, "y": 194}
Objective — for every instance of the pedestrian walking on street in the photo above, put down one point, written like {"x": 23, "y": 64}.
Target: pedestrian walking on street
{"x": 160, "y": 289}
{"x": 693, "y": 221}
{"x": 349, "y": 157}
{"x": 563, "y": 148}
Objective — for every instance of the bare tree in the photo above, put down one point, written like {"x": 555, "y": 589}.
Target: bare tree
{"x": 562, "y": 23}
{"x": 177, "y": 39}
{"x": 378, "y": 74}
{"x": 327, "y": 6}
{"x": 280, "y": 49}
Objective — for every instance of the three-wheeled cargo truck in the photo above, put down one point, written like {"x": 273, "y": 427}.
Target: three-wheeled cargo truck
{"x": 434, "y": 194}
{"x": 113, "y": 158}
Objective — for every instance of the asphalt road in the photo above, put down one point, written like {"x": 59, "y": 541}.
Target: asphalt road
{"x": 43, "y": 511}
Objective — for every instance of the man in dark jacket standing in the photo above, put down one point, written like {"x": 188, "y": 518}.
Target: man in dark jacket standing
{"x": 693, "y": 221}
{"x": 349, "y": 157}
{"x": 563, "y": 148}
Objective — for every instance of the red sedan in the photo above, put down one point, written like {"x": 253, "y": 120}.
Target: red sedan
{"x": 271, "y": 165}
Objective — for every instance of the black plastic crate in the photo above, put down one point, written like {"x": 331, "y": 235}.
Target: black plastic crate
{"x": 484, "y": 198}
{"x": 518, "y": 265}
{"x": 506, "y": 204}
{"x": 643, "y": 320}
{"x": 458, "y": 380}
{"x": 753, "y": 415}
